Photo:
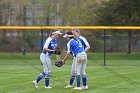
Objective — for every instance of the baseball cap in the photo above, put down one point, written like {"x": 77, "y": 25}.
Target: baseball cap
{"x": 68, "y": 34}
{"x": 57, "y": 32}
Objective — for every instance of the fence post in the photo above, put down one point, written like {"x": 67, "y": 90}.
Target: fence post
{"x": 104, "y": 47}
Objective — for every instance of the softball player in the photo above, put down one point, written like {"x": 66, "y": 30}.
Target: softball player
{"x": 48, "y": 49}
{"x": 86, "y": 46}
{"x": 77, "y": 49}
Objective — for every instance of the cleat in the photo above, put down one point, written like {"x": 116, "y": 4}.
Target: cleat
{"x": 48, "y": 87}
{"x": 68, "y": 86}
{"x": 35, "y": 84}
{"x": 84, "y": 87}
{"x": 77, "y": 88}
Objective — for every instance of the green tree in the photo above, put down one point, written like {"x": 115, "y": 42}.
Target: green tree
{"x": 120, "y": 12}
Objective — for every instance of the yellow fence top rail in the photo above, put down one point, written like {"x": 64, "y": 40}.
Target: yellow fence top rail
{"x": 69, "y": 27}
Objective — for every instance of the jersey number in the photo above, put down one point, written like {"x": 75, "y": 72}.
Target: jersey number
{"x": 80, "y": 45}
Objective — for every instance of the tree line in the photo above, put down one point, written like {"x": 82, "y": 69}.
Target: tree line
{"x": 70, "y": 13}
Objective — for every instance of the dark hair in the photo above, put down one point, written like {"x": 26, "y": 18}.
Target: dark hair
{"x": 71, "y": 37}
{"x": 69, "y": 33}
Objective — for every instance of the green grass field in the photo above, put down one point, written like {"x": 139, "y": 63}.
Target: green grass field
{"x": 121, "y": 75}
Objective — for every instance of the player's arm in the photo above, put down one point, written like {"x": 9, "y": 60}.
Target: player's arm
{"x": 87, "y": 48}
{"x": 49, "y": 50}
{"x": 47, "y": 45}
{"x": 68, "y": 53}
{"x": 66, "y": 57}
{"x": 86, "y": 43}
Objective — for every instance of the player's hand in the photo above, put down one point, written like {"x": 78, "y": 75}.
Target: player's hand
{"x": 64, "y": 52}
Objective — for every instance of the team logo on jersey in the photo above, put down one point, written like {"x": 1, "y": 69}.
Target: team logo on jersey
{"x": 53, "y": 45}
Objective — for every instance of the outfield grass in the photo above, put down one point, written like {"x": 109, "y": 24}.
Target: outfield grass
{"x": 121, "y": 76}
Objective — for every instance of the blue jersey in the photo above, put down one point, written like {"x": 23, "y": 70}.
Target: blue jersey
{"x": 75, "y": 46}
{"x": 50, "y": 44}
{"x": 83, "y": 41}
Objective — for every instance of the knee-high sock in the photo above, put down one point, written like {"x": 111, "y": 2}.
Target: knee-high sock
{"x": 78, "y": 81}
{"x": 84, "y": 79}
{"x": 71, "y": 79}
{"x": 42, "y": 74}
{"x": 47, "y": 79}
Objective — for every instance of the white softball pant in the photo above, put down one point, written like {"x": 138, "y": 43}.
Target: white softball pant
{"x": 46, "y": 61}
{"x": 79, "y": 64}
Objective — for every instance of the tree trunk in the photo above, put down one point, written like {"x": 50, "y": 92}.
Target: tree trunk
{"x": 24, "y": 14}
